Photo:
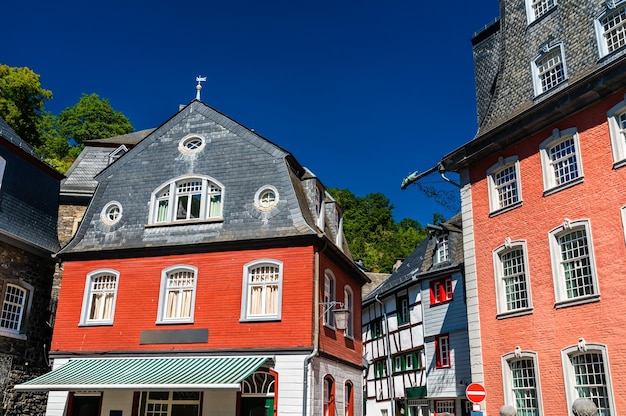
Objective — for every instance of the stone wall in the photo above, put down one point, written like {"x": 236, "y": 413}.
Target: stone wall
{"x": 25, "y": 357}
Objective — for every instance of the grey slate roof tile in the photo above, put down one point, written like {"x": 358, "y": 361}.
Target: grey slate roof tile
{"x": 238, "y": 158}
{"x": 29, "y": 194}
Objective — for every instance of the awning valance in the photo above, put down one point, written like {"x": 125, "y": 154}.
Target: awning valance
{"x": 171, "y": 373}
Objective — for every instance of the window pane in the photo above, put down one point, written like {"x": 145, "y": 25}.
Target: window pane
{"x": 514, "y": 279}
{"x": 590, "y": 380}
{"x": 550, "y": 70}
{"x": 179, "y": 294}
{"x": 576, "y": 265}
{"x": 263, "y": 290}
{"x": 541, "y": 7}
{"x": 563, "y": 157}
{"x": 614, "y": 26}
{"x": 524, "y": 387}
{"x": 506, "y": 185}
{"x": 13, "y": 307}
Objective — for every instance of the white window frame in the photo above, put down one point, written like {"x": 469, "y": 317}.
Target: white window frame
{"x": 495, "y": 189}
{"x": 443, "y": 351}
{"x": 569, "y": 378}
{"x": 613, "y": 9}
{"x": 339, "y": 225}
{"x": 348, "y": 303}
{"x": 90, "y": 292}
{"x": 166, "y": 289}
{"x": 24, "y": 306}
{"x": 248, "y": 286}
{"x": 3, "y": 164}
{"x": 531, "y": 13}
{"x": 330, "y": 286}
{"x": 548, "y": 166}
{"x": 623, "y": 215}
{"x": 320, "y": 206}
{"x": 168, "y": 193}
{"x": 442, "y": 251}
{"x": 501, "y": 275}
{"x": 445, "y": 406}
{"x": 558, "y": 272}
{"x": 616, "y": 118}
{"x": 546, "y": 53}
{"x": 507, "y": 378}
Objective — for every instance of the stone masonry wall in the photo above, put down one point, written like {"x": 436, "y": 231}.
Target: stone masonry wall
{"x": 25, "y": 359}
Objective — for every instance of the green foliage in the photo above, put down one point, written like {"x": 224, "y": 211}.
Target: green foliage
{"x": 92, "y": 118}
{"x": 21, "y": 102}
{"x": 372, "y": 234}
{"x": 57, "y": 139}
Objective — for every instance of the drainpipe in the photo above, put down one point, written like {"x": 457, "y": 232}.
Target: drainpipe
{"x": 316, "y": 328}
{"x": 388, "y": 351}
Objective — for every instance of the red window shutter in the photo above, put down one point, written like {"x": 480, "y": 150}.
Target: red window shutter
{"x": 437, "y": 353}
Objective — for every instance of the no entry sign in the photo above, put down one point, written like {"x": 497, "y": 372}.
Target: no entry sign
{"x": 475, "y": 393}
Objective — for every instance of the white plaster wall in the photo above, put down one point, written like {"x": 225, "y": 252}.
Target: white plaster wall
{"x": 290, "y": 370}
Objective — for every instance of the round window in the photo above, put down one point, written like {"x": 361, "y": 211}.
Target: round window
{"x": 266, "y": 198}
{"x": 111, "y": 213}
{"x": 191, "y": 144}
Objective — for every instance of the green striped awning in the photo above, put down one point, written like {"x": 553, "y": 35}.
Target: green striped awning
{"x": 147, "y": 373}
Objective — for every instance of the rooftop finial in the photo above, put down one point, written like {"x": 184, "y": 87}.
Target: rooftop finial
{"x": 199, "y": 87}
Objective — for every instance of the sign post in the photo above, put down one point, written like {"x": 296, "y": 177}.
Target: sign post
{"x": 475, "y": 393}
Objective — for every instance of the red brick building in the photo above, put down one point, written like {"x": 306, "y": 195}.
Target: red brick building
{"x": 203, "y": 280}
{"x": 543, "y": 208}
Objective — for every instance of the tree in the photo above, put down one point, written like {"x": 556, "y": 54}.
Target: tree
{"x": 372, "y": 234}
{"x": 92, "y": 118}
{"x": 22, "y": 101}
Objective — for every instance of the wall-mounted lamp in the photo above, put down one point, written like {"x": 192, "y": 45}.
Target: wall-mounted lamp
{"x": 341, "y": 314}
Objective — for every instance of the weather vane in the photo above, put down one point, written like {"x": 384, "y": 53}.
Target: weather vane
{"x": 199, "y": 87}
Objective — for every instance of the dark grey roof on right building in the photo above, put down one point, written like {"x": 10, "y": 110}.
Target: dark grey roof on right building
{"x": 419, "y": 264}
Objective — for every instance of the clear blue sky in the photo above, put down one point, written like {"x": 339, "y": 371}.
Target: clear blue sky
{"x": 362, "y": 93}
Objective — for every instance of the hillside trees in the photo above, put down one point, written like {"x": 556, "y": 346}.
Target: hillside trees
{"x": 57, "y": 139}
{"x": 22, "y": 102}
{"x": 372, "y": 234}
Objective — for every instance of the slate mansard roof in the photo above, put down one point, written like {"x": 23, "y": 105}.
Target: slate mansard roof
{"x": 94, "y": 158}
{"x": 239, "y": 159}
{"x": 29, "y": 195}
{"x": 419, "y": 264}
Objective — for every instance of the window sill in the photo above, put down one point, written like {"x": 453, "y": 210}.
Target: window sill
{"x": 184, "y": 222}
{"x": 445, "y": 302}
{"x": 505, "y": 209}
{"x": 261, "y": 319}
{"x": 515, "y": 313}
{"x": 545, "y": 94}
{"x": 563, "y": 186}
{"x": 577, "y": 301}
{"x": 87, "y": 324}
{"x": 173, "y": 322}
{"x": 619, "y": 164}
{"x": 10, "y": 334}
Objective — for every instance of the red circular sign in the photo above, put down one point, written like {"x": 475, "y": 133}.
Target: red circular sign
{"x": 475, "y": 393}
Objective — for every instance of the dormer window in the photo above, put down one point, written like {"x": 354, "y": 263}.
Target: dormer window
{"x": 610, "y": 27}
{"x": 187, "y": 199}
{"x": 319, "y": 206}
{"x": 442, "y": 253}
{"x": 117, "y": 153}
